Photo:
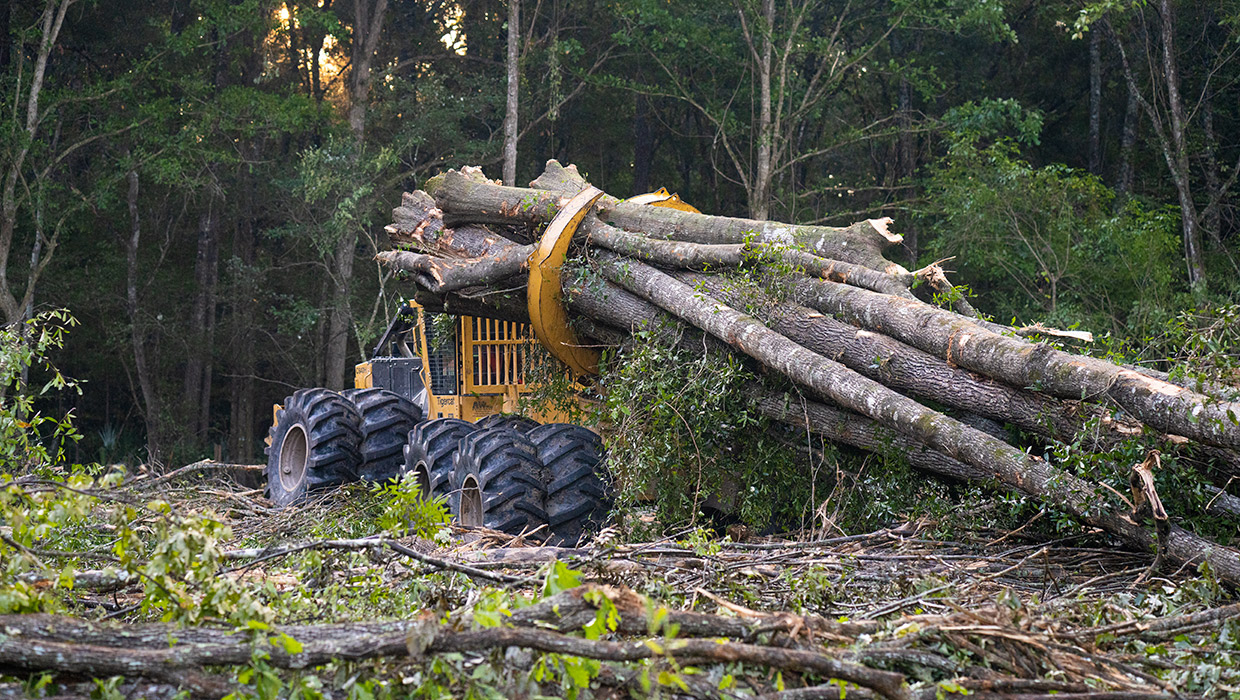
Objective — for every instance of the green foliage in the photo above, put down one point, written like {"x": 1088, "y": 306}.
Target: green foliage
{"x": 682, "y": 431}
{"x": 1045, "y": 243}
{"x": 181, "y": 572}
{"x": 403, "y": 508}
{"x": 30, "y": 440}
{"x": 1204, "y": 344}
{"x": 42, "y": 514}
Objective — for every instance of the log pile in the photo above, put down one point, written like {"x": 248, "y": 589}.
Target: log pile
{"x": 841, "y": 322}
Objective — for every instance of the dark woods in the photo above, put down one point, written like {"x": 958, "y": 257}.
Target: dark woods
{"x": 204, "y": 183}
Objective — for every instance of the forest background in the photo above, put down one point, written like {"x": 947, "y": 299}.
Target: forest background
{"x": 203, "y": 184}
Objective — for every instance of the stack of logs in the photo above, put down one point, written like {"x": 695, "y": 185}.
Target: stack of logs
{"x": 868, "y": 355}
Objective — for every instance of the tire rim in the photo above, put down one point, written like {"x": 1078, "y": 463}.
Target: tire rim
{"x": 294, "y": 451}
{"x": 471, "y": 503}
{"x": 422, "y": 475}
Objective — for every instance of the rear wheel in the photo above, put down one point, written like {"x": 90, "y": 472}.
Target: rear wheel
{"x": 579, "y": 493}
{"x": 387, "y": 418}
{"x": 430, "y": 453}
{"x": 521, "y": 424}
{"x": 314, "y": 445}
{"x": 498, "y": 482}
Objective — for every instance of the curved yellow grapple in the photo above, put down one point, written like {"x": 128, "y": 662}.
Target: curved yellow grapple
{"x": 545, "y": 293}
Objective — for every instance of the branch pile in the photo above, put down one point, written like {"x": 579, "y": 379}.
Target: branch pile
{"x": 841, "y": 322}
{"x": 988, "y": 653}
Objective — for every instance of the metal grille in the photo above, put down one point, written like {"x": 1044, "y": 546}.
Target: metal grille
{"x": 498, "y": 351}
{"x": 441, "y": 358}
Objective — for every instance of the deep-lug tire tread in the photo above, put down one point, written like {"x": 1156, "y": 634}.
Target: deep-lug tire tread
{"x": 387, "y": 418}
{"x": 436, "y": 441}
{"x": 510, "y": 476}
{"x": 521, "y": 424}
{"x": 333, "y": 438}
{"x": 579, "y": 490}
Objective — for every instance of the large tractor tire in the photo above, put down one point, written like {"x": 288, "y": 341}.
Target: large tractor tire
{"x": 387, "y": 418}
{"x": 521, "y": 424}
{"x": 314, "y": 445}
{"x": 498, "y": 482}
{"x": 579, "y": 490}
{"x": 430, "y": 453}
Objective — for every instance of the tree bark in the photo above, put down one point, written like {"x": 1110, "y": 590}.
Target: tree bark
{"x": 930, "y": 441}
{"x": 985, "y": 456}
{"x": 1095, "y": 103}
{"x": 196, "y": 387}
{"x": 760, "y": 191}
{"x": 367, "y": 28}
{"x": 896, "y": 343}
{"x": 50, "y": 24}
{"x": 151, "y": 407}
{"x": 1171, "y": 130}
{"x": 64, "y": 644}
{"x": 512, "y": 112}
{"x": 1159, "y": 404}
{"x": 909, "y": 370}
{"x": 643, "y": 144}
{"x": 464, "y": 199}
{"x": 1128, "y": 142}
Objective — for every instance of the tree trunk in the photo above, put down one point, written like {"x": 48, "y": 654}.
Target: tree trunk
{"x": 512, "y": 113}
{"x": 465, "y": 198}
{"x": 1128, "y": 142}
{"x": 1095, "y": 103}
{"x": 908, "y": 161}
{"x": 1193, "y": 254}
{"x": 340, "y": 314}
{"x": 912, "y": 371}
{"x": 1159, "y": 404}
{"x": 50, "y": 23}
{"x": 760, "y": 191}
{"x": 151, "y": 406}
{"x": 196, "y": 391}
{"x": 643, "y": 144}
{"x": 896, "y": 345}
{"x": 367, "y": 26}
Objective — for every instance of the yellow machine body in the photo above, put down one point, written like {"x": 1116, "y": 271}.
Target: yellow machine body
{"x": 477, "y": 372}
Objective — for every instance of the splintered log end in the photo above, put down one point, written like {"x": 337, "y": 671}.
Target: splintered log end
{"x": 881, "y": 226}
{"x": 474, "y": 172}
{"x": 418, "y": 222}
{"x": 559, "y": 178}
{"x": 1039, "y": 329}
{"x": 417, "y": 200}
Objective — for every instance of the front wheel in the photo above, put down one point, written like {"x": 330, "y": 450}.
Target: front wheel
{"x": 314, "y": 445}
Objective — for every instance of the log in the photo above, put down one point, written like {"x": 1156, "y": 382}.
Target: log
{"x": 464, "y": 199}
{"x": 911, "y": 370}
{"x": 1157, "y": 403}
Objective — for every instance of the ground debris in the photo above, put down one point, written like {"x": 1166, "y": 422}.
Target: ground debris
{"x": 897, "y": 613}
